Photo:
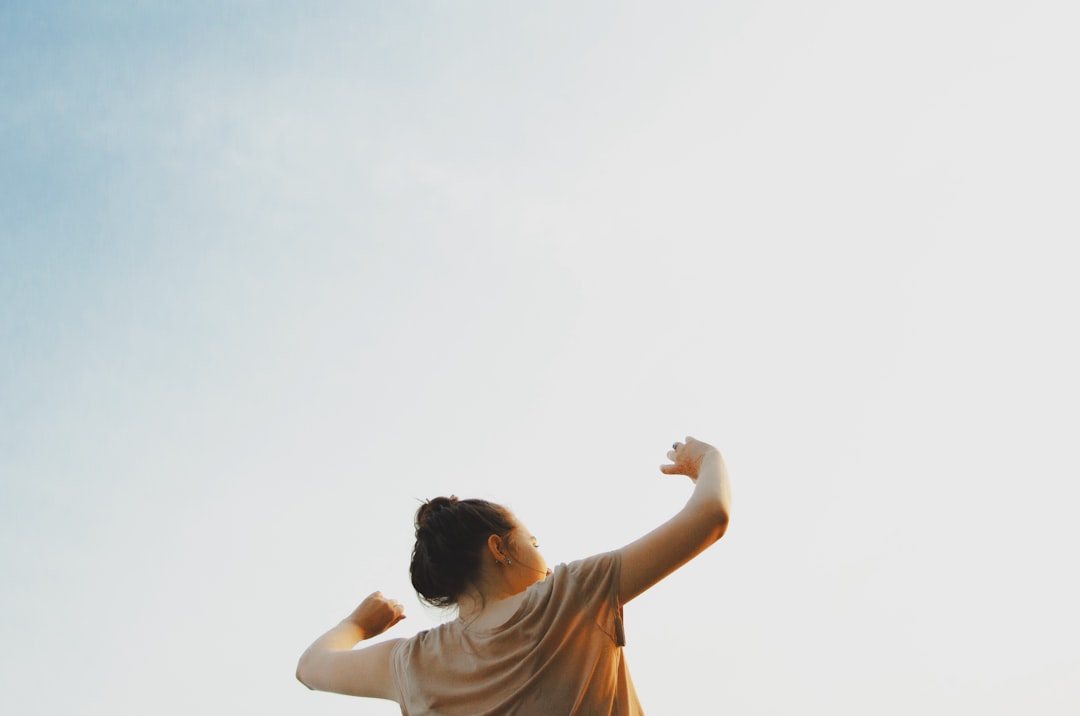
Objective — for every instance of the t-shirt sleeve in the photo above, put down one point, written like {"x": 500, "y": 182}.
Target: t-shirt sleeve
{"x": 594, "y": 581}
{"x": 398, "y": 671}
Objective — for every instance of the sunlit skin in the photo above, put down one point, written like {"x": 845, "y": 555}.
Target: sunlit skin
{"x": 331, "y": 663}
{"x": 497, "y": 591}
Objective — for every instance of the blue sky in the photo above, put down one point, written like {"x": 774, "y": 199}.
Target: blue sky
{"x": 270, "y": 275}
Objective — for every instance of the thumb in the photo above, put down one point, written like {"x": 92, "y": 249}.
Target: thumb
{"x": 669, "y": 469}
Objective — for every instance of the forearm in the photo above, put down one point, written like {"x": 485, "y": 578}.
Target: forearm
{"x": 711, "y": 498}
{"x": 345, "y": 635}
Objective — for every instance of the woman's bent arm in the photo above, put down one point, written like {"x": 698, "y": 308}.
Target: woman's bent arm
{"x": 331, "y": 663}
{"x": 699, "y": 524}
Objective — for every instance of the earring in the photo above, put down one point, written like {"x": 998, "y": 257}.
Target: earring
{"x": 507, "y": 560}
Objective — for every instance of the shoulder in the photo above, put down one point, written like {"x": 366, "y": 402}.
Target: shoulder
{"x": 447, "y": 632}
{"x": 598, "y": 566}
{"x": 595, "y": 577}
{"x": 422, "y": 652}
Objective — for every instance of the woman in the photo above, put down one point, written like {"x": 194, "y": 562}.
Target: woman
{"x": 528, "y": 640}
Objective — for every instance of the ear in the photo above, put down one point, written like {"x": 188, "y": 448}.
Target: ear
{"x": 496, "y": 547}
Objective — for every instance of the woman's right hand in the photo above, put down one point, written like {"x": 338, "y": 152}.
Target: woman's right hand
{"x": 376, "y": 614}
{"x": 687, "y": 456}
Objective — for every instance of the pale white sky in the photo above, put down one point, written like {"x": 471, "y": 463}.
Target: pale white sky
{"x": 269, "y": 276}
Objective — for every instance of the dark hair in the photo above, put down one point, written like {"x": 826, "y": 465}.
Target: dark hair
{"x": 450, "y": 536}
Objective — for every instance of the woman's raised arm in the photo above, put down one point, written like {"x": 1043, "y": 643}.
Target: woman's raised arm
{"x": 700, "y": 523}
{"x": 331, "y": 663}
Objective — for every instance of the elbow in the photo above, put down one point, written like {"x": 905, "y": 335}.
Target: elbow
{"x": 710, "y": 523}
{"x": 720, "y": 525}
{"x": 301, "y": 671}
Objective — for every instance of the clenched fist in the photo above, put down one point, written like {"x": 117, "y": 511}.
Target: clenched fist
{"x": 376, "y": 614}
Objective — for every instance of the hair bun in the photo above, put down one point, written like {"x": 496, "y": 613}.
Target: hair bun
{"x": 451, "y": 535}
{"x": 432, "y": 507}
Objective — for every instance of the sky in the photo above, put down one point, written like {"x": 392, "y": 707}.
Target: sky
{"x": 273, "y": 273}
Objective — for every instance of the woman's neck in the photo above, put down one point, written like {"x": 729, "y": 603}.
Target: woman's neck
{"x": 490, "y": 611}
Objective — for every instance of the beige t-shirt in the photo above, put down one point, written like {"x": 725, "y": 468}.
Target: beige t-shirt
{"x": 560, "y": 653}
